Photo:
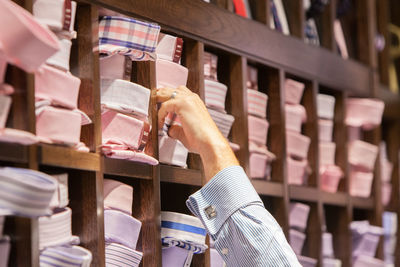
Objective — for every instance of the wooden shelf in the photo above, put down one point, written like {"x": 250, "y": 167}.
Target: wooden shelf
{"x": 268, "y": 188}
{"x": 14, "y": 153}
{"x": 334, "y": 199}
{"x": 220, "y": 28}
{"x": 392, "y": 102}
{"x": 65, "y": 157}
{"x": 126, "y": 168}
{"x": 180, "y": 175}
{"x": 303, "y": 193}
{"x": 362, "y": 203}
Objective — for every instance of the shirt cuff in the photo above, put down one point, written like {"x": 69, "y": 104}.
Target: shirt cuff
{"x": 229, "y": 190}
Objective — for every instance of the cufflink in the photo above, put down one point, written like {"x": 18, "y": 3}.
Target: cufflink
{"x": 210, "y": 212}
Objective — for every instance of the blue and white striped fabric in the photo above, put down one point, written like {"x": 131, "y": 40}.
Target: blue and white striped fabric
{"x": 183, "y": 231}
{"x": 245, "y": 233}
{"x": 65, "y": 257}
{"x": 118, "y": 255}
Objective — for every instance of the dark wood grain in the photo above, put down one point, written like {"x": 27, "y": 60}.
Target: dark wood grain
{"x": 268, "y": 188}
{"x": 217, "y": 27}
{"x": 304, "y": 193}
{"x": 313, "y": 242}
{"x": 383, "y": 18}
{"x": 334, "y": 199}
{"x": 10, "y": 152}
{"x": 180, "y": 175}
{"x": 126, "y": 168}
{"x": 260, "y": 10}
{"x": 363, "y": 203}
{"x": 325, "y": 25}
{"x": 296, "y": 17}
{"x": 392, "y": 103}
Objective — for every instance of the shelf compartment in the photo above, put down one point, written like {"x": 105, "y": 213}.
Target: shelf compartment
{"x": 127, "y": 168}
{"x": 68, "y": 158}
{"x": 15, "y": 153}
{"x": 363, "y": 203}
{"x": 180, "y": 175}
{"x": 334, "y": 199}
{"x": 268, "y": 188}
{"x": 304, "y": 193}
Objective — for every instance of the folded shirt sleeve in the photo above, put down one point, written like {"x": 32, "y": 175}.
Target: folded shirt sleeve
{"x": 245, "y": 233}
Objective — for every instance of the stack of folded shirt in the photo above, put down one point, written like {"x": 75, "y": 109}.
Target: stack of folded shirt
{"x": 182, "y": 236}
{"x": 386, "y": 174}
{"x": 56, "y": 242}
{"x": 125, "y": 105}
{"x": 330, "y": 174}
{"x": 169, "y": 73}
{"x": 365, "y": 238}
{"x": 121, "y": 229}
{"x": 298, "y": 216}
{"x": 215, "y": 95}
{"x": 58, "y": 120}
{"x": 296, "y": 144}
{"x": 362, "y": 114}
{"x": 390, "y": 224}
{"x": 260, "y": 157}
{"x": 25, "y": 193}
{"x": 18, "y": 25}
{"x": 328, "y": 253}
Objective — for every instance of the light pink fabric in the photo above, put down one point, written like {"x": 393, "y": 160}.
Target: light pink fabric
{"x": 363, "y": 112}
{"x": 257, "y": 103}
{"x": 52, "y": 13}
{"x": 172, "y": 151}
{"x": 330, "y": 177}
{"x": 327, "y": 153}
{"x": 215, "y": 94}
{"x": 297, "y": 171}
{"x": 116, "y": 67}
{"x": 295, "y": 116}
{"x": 121, "y": 129}
{"x": 252, "y": 78}
{"x": 25, "y": 42}
{"x": 326, "y": 106}
{"x": 360, "y": 183}
{"x": 366, "y": 261}
{"x": 386, "y": 193}
{"x": 223, "y": 121}
{"x": 296, "y": 240}
{"x": 60, "y": 59}
{"x": 118, "y": 196}
{"x": 327, "y": 245}
{"x": 170, "y": 74}
{"x": 293, "y": 91}
{"x": 118, "y": 153}
{"x": 362, "y": 154}
{"x": 325, "y": 130}
{"x": 60, "y": 87}
{"x": 169, "y": 47}
{"x": 216, "y": 259}
{"x": 258, "y": 130}
{"x": 210, "y": 66}
{"x": 9, "y": 135}
{"x": 258, "y": 163}
{"x": 298, "y": 215}
{"x": 297, "y": 144}
{"x": 386, "y": 170}
{"x": 5, "y": 104}
{"x": 261, "y": 149}
{"x": 81, "y": 147}
{"x": 61, "y": 126}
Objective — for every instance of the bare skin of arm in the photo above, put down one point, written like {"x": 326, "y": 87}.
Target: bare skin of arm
{"x": 198, "y": 131}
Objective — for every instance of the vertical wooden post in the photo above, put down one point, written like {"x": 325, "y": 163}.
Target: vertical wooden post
{"x": 296, "y": 17}
{"x": 260, "y": 10}
{"x": 326, "y": 21}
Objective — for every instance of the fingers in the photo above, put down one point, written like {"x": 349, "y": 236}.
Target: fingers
{"x": 164, "y": 94}
{"x": 166, "y": 107}
{"x": 177, "y": 132}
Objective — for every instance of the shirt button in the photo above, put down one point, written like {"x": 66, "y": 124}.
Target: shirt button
{"x": 225, "y": 251}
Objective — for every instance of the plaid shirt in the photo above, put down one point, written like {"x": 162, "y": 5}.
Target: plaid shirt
{"x": 126, "y": 36}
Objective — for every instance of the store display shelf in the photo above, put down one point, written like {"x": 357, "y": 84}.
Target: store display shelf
{"x": 15, "y": 153}
{"x": 303, "y": 193}
{"x": 392, "y": 102}
{"x": 334, "y": 199}
{"x": 268, "y": 188}
{"x": 246, "y": 37}
{"x": 127, "y": 168}
{"x": 363, "y": 203}
{"x": 180, "y": 175}
{"x": 65, "y": 157}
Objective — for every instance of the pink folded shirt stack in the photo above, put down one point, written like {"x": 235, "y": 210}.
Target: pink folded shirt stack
{"x": 298, "y": 217}
{"x": 296, "y": 143}
{"x": 386, "y": 168}
{"x": 330, "y": 174}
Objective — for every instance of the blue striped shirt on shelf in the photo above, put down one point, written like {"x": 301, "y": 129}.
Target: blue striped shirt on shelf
{"x": 245, "y": 233}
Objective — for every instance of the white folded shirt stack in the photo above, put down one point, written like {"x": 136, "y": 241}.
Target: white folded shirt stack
{"x": 390, "y": 224}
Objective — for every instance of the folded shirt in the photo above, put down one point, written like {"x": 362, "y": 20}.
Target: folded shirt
{"x": 121, "y": 256}
{"x": 116, "y": 67}
{"x": 110, "y": 151}
{"x": 257, "y": 103}
{"x": 65, "y": 256}
{"x": 169, "y": 47}
{"x": 215, "y": 94}
{"x": 126, "y": 36}
{"x": 172, "y": 151}
{"x": 9, "y": 135}
{"x": 60, "y": 59}
{"x": 58, "y": 15}
{"x": 170, "y": 74}
{"x": 118, "y": 196}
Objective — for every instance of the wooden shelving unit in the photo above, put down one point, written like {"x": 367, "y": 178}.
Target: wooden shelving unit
{"x": 238, "y": 42}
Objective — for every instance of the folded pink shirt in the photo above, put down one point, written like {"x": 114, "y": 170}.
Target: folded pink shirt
{"x": 362, "y": 154}
{"x": 364, "y": 112}
{"x": 360, "y": 183}
{"x": 118, "y": 196}
{"x": 9, "y": 135}
{"x": 60, "y": 59}
{"x": 116, "y": 152}
{"x": 295, "y": 116}
{"x": 325, "y": 130}
{"x": 169, "y": 47}
{"x": 172, "y": 151}
{"x": 257, "y": 103}
{"x": 210, "y": 66}
{"x": 58, "y": 15}
{"x": 297, "y": 144}
{"x": 325, "y": 106}
{"x": 297, "y": 171}
{"x": 170, "y": 74}
{"x": 330, "y": 176}
{"x": 258, "y": 130}
{"x": 215, "y": 94}
{"x": 327, "y": 151}
{"x": 223, "y": 121}
{"x": 116, "y": 67}
{"x": 293, "y": 91}
{"x": 61, "y": 88}
{"x": 56, "y": 125}
{"x": 27, "y": 44}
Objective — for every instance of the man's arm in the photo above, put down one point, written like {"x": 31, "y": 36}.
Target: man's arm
{"x": 245, "y": 233}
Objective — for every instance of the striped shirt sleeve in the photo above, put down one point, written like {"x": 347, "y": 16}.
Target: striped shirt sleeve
{"x": 245, "y": 233}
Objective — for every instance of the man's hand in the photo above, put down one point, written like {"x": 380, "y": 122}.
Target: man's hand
{"x": 198, "y": 132}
